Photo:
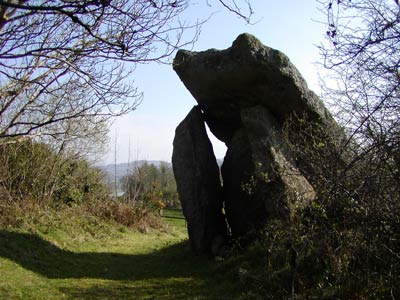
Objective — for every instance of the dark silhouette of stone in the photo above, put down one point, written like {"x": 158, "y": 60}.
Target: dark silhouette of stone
{"x": 246, "y": 93}
{"x": 237, "y": 171}
{"x": 260, "y": 181}
{"x": 244, "y": 75}
{"x": 198, "y": 183}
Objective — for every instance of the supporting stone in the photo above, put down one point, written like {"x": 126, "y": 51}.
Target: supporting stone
{"x": 198, "y": 183}
{"x": 260, "y": 180}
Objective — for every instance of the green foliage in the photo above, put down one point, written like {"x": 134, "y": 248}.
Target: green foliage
{"x": 175, "y": 217}
{"x": 25, "y": 169}
{"x": 151, "y": 184}
{"x": 79, "y": 182}
{"x": 30, "y": 169}
{"x": 37, "y": 184}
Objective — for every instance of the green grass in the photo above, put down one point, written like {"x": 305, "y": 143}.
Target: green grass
{"x": 114, "y": 263}
{"x": 174, "y": 217}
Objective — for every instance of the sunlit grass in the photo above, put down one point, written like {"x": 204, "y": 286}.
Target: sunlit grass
{"x": 123, "y": 264}
{"x": 175, "y": 218}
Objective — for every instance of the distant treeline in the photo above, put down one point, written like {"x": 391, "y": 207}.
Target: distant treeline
{"x": 146, "y": 179}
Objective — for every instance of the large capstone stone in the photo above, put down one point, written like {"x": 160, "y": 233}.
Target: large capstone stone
{"x": 244, "y": 75}
{"x": 198, "y": 183}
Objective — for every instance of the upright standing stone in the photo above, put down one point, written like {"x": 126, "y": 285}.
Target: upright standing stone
{"x": 260, "y": 179}
{"x": 198, "y": 182}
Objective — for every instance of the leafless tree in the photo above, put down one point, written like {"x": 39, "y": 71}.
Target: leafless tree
{"x": 65, "y": 65}
{"x": 363, "y": 51}
{"x": 362, "y": 54}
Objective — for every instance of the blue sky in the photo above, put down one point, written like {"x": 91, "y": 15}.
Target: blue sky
{"x": 287, "y": 25}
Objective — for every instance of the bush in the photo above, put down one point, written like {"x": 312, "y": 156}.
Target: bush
{"x": 79, "y": 182}
{"x": 135, "y": 215}
{"x": 33, "y": 170}
{"x": 35, "y": 181}
{"x": 346, "y": 244}
{"x": 25, "y": 170}
{"x": 153, "y": 184}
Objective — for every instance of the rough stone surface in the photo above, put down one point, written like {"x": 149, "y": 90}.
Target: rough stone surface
{"x": 260, "y": 181}
{"x": 244, "y": 75}
{"x": 242, "y": 214}
{"x": 286, "y": 188}
{"x": 246, "y": 93}
{"x": 198, "y": 182}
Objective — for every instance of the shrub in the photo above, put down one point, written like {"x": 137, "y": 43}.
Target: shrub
{"x": 35, "y": 181}
{"x": 33, "y": 170}
{"x": 149, "y": 182}
{"x": 78, "y": 182}
{"x": 25, "y": 169}
{"x": 135, "y": 215}
{"x": 346, "y": 244}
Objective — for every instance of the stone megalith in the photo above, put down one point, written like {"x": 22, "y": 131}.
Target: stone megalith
{"x": 198, "y": 182}
{"x": 247, "y": 92}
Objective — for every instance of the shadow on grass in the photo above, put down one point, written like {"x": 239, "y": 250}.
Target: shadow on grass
{"x": 38, "y": 255}
{"x": 166, "y": 274}
{"x": 165, "y": 290}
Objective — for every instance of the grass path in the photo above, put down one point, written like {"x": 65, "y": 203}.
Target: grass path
{"x": 127, "y": 265}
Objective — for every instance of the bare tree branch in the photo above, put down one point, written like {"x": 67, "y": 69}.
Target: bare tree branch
{"x": 63, "y": 61}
